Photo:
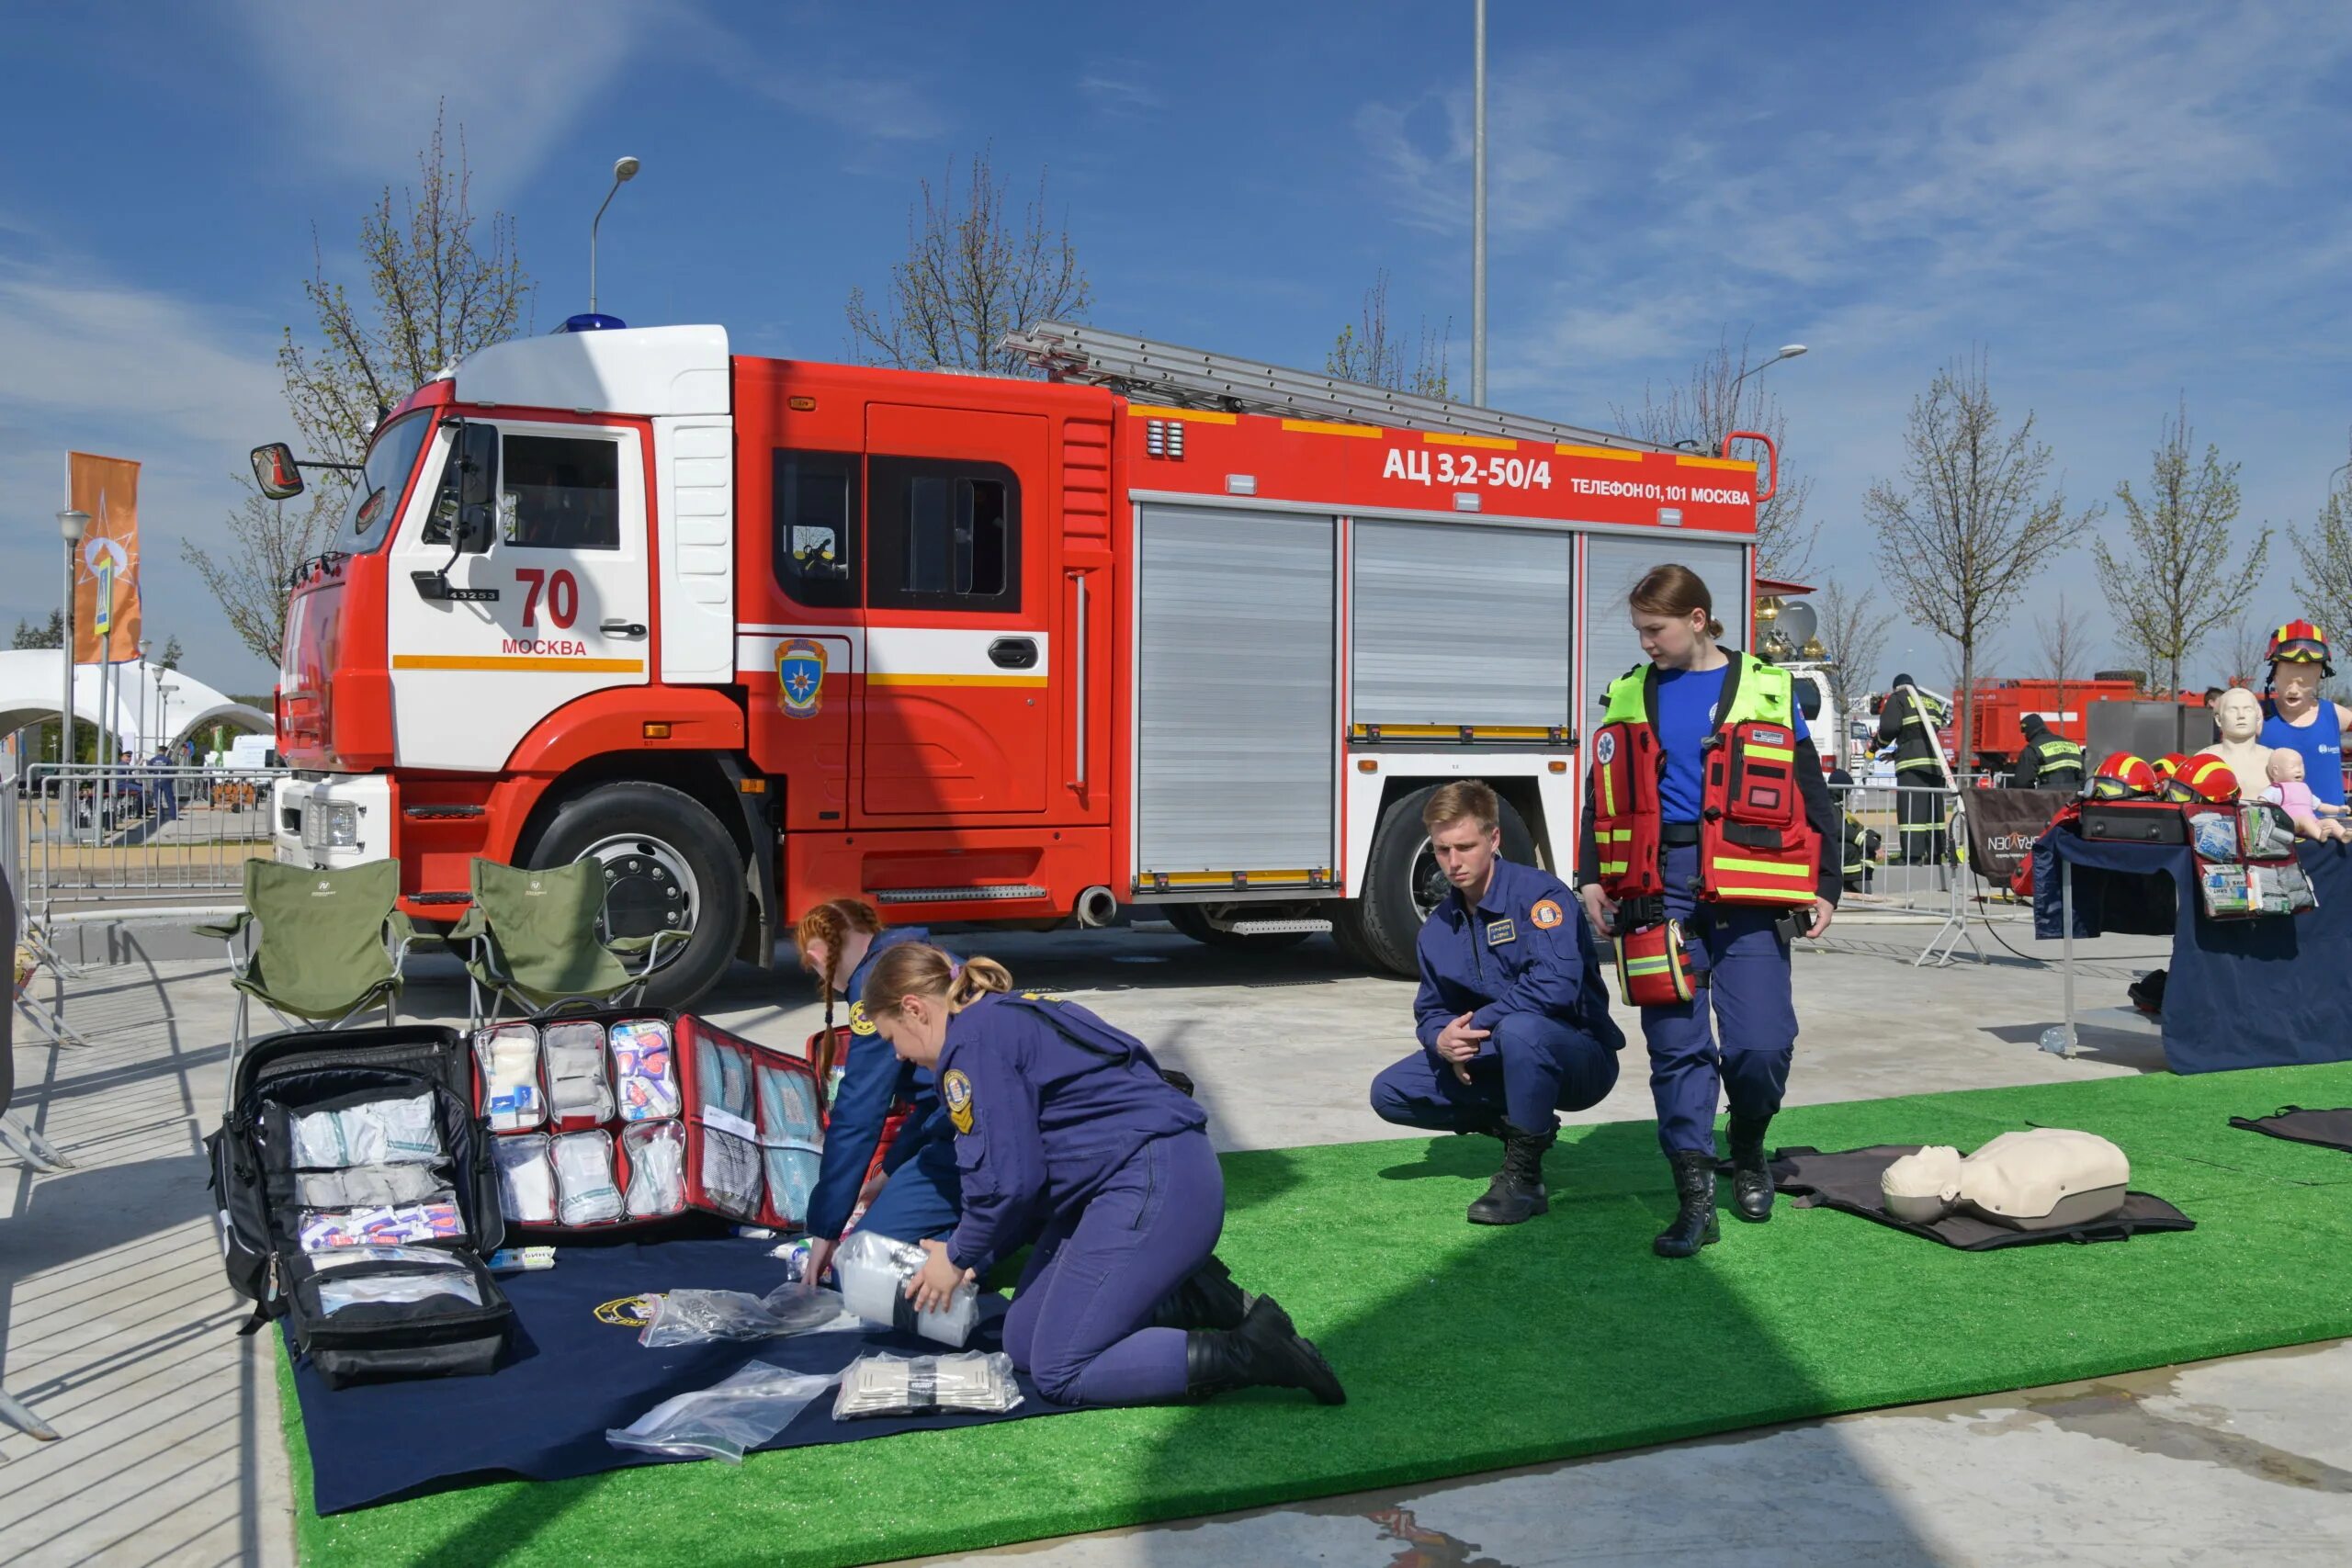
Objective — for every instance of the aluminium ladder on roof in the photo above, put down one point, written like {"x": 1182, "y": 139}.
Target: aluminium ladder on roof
{"x": 1191, "y": 377}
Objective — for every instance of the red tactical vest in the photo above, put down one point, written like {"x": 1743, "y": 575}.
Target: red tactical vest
{"x": 1755, "y": 845}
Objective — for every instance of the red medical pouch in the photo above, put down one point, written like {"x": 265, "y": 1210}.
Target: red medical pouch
{"x": 694, "y": 1120}
{"x": 1654, "y": 966}
{"x": 1755, "y": 846}
{"x": 1625, "y": 810}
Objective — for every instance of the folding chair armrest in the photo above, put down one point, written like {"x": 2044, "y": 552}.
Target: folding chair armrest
{"x": 471, "y": 925}
{"x": 226, "y": 930}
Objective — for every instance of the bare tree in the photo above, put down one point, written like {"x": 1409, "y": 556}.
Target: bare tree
{"x": 2173, "y": 582}
{"x": 1722, "y": 395}
{"x": 2065, "y": 644}
{"x": 1371, "y": 353}
{"x": 437, "y": 288}
{"x": 2248, "y": 642}
{"x": 969, "y": 277}
{"x": 1966, "y": 526}
{"x": 1854, "y": 630}
{"x": 2324, "y": 559}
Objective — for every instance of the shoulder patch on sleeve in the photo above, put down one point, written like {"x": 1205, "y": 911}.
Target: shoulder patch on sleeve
{"x": 956, "y": 1092}
{"x": 859, "y": 1022}
{"x": 1545, "y": 915}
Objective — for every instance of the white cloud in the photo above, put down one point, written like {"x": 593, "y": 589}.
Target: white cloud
{"x": 1118, "y": 88}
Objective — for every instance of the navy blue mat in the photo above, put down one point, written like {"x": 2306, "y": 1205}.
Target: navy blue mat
{"x": 2269, "y": 992}
{"x": 570, "y": 1375}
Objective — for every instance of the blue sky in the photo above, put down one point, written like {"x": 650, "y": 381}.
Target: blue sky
{"x": 2120, "y": 204}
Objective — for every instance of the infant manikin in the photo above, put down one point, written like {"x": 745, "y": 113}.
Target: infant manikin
{"x": 2043, "y": 1179}
{"x": 2312, "y": 817}
{"x": 2237, "y": 713}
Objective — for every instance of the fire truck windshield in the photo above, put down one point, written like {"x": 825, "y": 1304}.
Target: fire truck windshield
{"x": 376, "y": 497}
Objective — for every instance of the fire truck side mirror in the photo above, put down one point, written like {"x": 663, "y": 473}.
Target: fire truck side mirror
{"x": 275, "y": 470}
{"x": 477, "y": 461}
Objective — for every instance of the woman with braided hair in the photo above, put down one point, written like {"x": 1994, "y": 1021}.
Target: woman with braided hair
{"x": 839, "y": 941}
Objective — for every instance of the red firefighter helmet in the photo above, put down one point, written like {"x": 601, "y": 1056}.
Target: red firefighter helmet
{"x": 2123, "y": 777}
{"x": 2299, "y": 642}
{"x": 2205, "y": 780}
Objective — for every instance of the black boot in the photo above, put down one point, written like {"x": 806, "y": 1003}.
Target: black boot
{"x": 1694, "y": 1225}
{"x": 1751, "y": 1178}
{"x": 1209, "y": 1299}
{"x": 1517, "y": 1191}
{"x": 1264, "y": 1352}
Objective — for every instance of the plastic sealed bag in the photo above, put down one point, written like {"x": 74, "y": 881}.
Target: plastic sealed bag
{"x": 584, "y": 1178}
{"x": 873, "y": 1271}
{"x": 509, "y": 1058}
{"x": 883, "y": 1384}
{"x": 698, "y": 1317}
{"x": 421, "y": 1257}
{"x": 371, "y": 1187}
{"x": 646, "y": 1079}
{"x": 737, "y": 1413}
{"x": 381, "y": 1132}
{"x": 657, "y": 1168}
{"x": 577, "y": 1087}
{"x": 526, "y": 1178}
{"x": 365, "y": 1290}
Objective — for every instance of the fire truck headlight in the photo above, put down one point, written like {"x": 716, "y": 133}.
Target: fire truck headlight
{"x": 329, "y": 825}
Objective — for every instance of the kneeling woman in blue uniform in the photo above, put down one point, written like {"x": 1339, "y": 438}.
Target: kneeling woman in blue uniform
{"x": 844, "y": 937}
{"x": 1068, "y": 1136}
{"x": 1708, "y": 841}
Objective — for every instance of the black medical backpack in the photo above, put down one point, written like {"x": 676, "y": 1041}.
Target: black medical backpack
{"x": 254, "y": 1189}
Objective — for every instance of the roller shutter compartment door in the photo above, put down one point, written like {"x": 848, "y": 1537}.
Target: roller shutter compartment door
{"x": 1612, "y": 567}
{"x": 1237, "y": 701}
{"x": 1458, "y": 625}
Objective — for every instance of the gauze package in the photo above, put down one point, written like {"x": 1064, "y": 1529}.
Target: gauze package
{"x": 643, "y": 1073}
{"x": 419, "y": 1257}
{"x": 883, "y": 1384}
{"x": 696, "y": 1318}
{"x": 742, "y": 1410}
{"x": 322, "y": 1229}
{"x": 790, "y": 1147}
{"x": 336, "y": 1295}
{"x": 380, "y": 1132}
{"x": 371, "y": 1187}
{"x": 526, "y": 1178}
{"x": 729, "y": 1166}
{"x": 584, "y": 1193}
{"x": 508, "y": 1055}
{"x": 577, "y": 1087}
{"x": 873, "y": 1271}
{"x": 657, "y": 1168}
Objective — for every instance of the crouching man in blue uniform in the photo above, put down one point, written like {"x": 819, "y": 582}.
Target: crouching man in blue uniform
{"x": 1068, "y": 1136}
{"x": 1512, "y": 1014}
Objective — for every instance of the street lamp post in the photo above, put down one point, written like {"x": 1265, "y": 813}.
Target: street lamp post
{"x": 139, "y": 747}
{"x": 624, "y": 171}
{"x": 1478, "y": 208}
{"x": 71, "y": 526}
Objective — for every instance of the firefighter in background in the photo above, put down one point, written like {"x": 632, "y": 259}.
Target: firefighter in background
{"x": 2300, "y": 719}
{"x": 1721, "y": 843}
{"x": 2049, "y": 760}
{"x": 1860, "y": 851}
{"x": 1908, "y": 719}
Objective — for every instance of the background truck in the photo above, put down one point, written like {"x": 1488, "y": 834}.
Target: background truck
{"x": 1167, "y": 626}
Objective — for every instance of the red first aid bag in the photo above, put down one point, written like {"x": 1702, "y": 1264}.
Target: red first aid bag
{"x": 1654, "y": 966}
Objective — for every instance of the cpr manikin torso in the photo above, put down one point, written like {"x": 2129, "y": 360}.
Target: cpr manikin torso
{"x": 2045, "y": 1178}
{"x": 2238, "y": 714}
{"x": 2313, "y": 818}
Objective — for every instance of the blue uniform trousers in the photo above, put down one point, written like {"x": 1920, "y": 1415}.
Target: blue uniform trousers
{"x": 1095, "y": 1276}
{"x": 925, "y": 1194}
{"x": 1749, "y": 988}
{"x": 1532, "y": 1065}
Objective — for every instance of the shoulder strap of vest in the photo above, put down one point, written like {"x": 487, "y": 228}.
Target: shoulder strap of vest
{"x": 1638, "y": 687}
{"x": 1727, "y": 704}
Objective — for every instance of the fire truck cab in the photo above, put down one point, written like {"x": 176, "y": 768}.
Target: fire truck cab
{"x": 752, "y": 632}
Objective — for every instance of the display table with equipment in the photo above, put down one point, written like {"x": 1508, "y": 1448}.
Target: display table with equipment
{"x": 2274, "y": 990}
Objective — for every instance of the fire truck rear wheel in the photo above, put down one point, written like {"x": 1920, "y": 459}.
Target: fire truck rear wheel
{"x": 668, "y": 866}
{"x": 1192, "y": 920}
{"x": 1403, "y": 883}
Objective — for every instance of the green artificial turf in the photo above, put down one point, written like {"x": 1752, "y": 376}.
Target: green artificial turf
{"x": 1471, "y": 1348}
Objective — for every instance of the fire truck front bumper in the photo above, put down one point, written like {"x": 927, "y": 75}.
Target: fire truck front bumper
{"x": 331, "y": 822}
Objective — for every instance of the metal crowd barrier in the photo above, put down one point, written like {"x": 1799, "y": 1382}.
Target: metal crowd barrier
{"x": 1918, "y": 864}
{"x": 92, "y": 840}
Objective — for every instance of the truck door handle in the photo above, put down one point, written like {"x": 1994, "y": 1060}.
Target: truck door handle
{"x": 618, "y": 628}
{"x": 1013, "y": 653}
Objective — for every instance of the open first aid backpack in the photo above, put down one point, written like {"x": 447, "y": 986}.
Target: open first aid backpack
{"x": 613, "y": 1120}
{"x": 358, "y": 1199}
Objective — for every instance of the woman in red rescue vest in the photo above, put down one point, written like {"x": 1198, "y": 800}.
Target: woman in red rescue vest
{"x": 1708, "y": 840}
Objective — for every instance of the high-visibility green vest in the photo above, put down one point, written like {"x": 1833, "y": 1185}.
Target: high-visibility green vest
{"x": 1764, "y": 692}
{"x": 2058, "y": 756}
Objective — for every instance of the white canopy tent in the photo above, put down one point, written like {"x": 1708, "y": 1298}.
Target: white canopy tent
{"x": 151, "y": 705}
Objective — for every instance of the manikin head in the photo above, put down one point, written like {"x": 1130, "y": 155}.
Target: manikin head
{"x": 914, "y": 989}
{"x": 1465, "y": 835}
{"x": 2238, "y": 713}
{"x": 2295, "y": 684}
{"x": 2286, "y": 766}
{"x": 1921, "y": 1188}
{"x": 1675, "y": 617}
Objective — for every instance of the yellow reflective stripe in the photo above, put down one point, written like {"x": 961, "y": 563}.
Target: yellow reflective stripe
{"x": 1607, "y": 794}
{"x": 1761, "y": 867}
{"x": 1646, "y": 967}
{"x": 1773, "y": 753}
{"x": 1765, "y": 895}
{"x": 1612, "y": 867}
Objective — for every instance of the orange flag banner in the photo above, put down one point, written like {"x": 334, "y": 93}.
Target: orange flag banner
{"x": 105, "y": 576}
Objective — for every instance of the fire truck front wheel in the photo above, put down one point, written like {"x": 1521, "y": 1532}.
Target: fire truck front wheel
{"x": 1403, "y": 883}
{"x": 669, "y": 867}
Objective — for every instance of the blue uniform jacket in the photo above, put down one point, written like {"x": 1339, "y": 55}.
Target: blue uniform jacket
{"x": 1526, "y": 948}
{"x": 1042, "y": 1121}
{"x": 872, "y": 1079}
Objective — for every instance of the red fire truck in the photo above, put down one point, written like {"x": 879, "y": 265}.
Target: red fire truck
{"x": 1166, "y": 627}
{"x": 2001, "y": 706}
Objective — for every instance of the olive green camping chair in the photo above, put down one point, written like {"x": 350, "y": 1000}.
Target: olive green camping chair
{"x": 533, "y": 942}
{"x": 319, "y": 946}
